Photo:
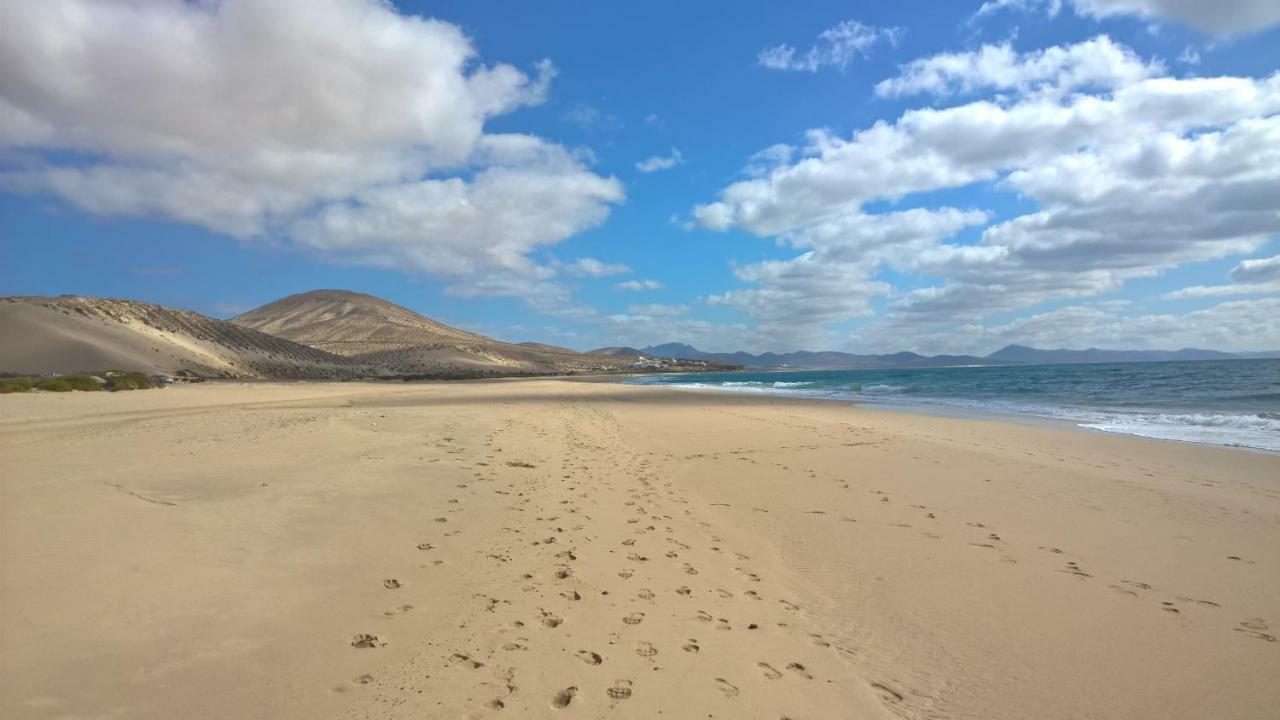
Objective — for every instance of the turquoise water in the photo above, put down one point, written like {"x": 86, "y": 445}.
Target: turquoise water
{"x": 1228, "y": 402}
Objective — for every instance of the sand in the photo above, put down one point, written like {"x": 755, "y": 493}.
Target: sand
{"x": 566, "y": 549}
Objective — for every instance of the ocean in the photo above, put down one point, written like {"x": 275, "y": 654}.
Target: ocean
{"x": 1222, "y": 402}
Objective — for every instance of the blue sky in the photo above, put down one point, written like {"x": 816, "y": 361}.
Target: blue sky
{"x": 870, "y": 177}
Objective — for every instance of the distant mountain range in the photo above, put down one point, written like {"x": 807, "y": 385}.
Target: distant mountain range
{"x": 1010, "y": 355}
{"x": 339, "y": 334}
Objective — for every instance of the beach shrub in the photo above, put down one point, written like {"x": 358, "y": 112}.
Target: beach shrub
{"x": 13, "y": 385}
{"x": 82, "y": 382}
{"x": 117, "y": 381}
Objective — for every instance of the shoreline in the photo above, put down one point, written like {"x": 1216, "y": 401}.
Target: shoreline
{"x": 212, "y": 551}
{"x": 962, "y": 411}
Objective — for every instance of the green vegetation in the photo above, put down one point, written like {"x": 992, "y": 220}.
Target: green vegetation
{"x": 111, "y": 380}
{"x": 15, "y": 384}
{"x": 117, "y": 381}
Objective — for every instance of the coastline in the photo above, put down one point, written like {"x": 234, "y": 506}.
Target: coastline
{"x": 1127, "y": 399}
{"x": 961, "y": 412}
{"x": 210, "y": 551}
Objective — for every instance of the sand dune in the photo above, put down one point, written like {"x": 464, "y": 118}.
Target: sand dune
{"x": 548, "y": 549}
{"x": 71, "y": 334}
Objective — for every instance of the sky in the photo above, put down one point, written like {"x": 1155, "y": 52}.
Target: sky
{"x": 941, "y": 177}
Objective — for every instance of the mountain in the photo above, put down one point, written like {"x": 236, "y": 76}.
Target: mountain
{"x": 619, "y": 352}
{"x": 1023, "y": 354}
{"x": 70, "y": 334}
{"x": 350, "y": 323}
{"x": 806, "y": 360}
{"x": 398, "y": 341}
{"x": 1010, "y": 355}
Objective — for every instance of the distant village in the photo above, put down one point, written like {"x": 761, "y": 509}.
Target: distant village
{"x": 645, "y": 363}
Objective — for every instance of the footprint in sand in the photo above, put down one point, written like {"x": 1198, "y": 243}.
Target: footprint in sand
{"x": 729, "y": 689}
{"x": 562, "y": 699}
{"x": 691, "y": 646}
{"x": 646, "y": 649}
{"x": 887, "y": 694}
{"x": 465, "y": 661}
{"x": 634, "y": 618}
{"x": 620, "y": 690}
{"x": 684, "y": 590}
{"x": 550, "y": 619}
{"x": 1255, "y": 627}
{"x": 769, "y": 672}
{"x": 366, "y": 640}
{"x": 1074, "y": 569}
{"x": 391, "y": 583}
{"x": 800, "y": 670}
{"x": 590, "y": 658}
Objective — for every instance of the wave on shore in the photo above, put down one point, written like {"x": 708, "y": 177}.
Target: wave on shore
{"x": 1236, "y": 405}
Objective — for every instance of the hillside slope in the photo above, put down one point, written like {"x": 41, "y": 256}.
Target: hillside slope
{"x": 399, "y": 341}
{"x": 350, "y": 323}
{"x": 72, "y": 333}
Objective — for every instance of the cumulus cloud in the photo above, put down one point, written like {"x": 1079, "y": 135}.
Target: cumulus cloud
{"x": 1099, "y": 62}
{"x": 1204, "y": 291}
{"x": 1241, "y": 325}
{"x": 1259, "y": 276}
{"x": 658, "y": 310}
{"x": 1260, "y": 270}
{"x": 835, "y": 47}
{"x": 593, "y": 268}
{"x": 661, "y": 162}
{"x": 1140, "y": 175}
{"x": 1221, "y": 17}
{"x": 342, "y": 127}
{"x": 638, "y": 285}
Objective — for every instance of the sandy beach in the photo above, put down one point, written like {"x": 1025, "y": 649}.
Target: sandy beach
{"x": 551, "y": 548}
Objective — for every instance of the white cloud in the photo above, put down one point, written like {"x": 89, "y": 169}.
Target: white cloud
{"x": 1259, "y": 276}
{"x": 467, "y": 230}
{"x": 658, "y": 310}
{"x": 593, "y": 268}
{"x": 1052, "y": 7}
{"x": 1260, "y": 270}
{"x": 638, "y": 285}
{"x": 1220, "y": 17}
{"x": 1094, "y": 63}
{"x": 341, "y": 127}
{"x": 661, "y": 162}
{"x": 1141, "y": 175}
{"x": 1204, "y": 291}
{"x": 590, "y": 118}
{"x": 836, "y": 47}
{"x": 1242, "y": 325}
{"x": 1217, "y": 16}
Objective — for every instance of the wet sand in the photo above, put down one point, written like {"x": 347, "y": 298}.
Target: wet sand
{"x": 566, "y": 549}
